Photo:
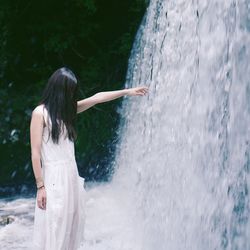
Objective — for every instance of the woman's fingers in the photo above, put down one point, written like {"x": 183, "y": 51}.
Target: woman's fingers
{"x": 39, "y": 203}
{"x": 139, "y": 92}
{"x": 44, "y": 202}
{"x": 142, "y": 91}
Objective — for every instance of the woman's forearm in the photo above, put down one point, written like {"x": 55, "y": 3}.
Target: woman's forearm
{"x": 110, "y": 95}
{"x": 37, "y": 168}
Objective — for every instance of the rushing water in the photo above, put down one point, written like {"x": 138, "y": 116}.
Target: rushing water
{"x": 182, "y": 174}
{"x": 184, "y": 156}
{"x": 108, "y": 226}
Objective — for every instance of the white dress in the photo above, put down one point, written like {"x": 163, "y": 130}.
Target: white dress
{"x": 61, "y": 225}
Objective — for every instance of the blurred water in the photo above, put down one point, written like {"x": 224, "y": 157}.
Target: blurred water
{"x": 182, "y": 165}
{"x": 16, "y": 235}
{"x": 184, "y": 156}
{"x": 108, "y": 224}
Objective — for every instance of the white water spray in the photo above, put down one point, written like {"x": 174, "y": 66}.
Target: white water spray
{"x": 184, "y": 157}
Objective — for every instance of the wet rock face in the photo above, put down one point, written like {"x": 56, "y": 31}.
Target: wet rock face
{"x": 6, "y": 219}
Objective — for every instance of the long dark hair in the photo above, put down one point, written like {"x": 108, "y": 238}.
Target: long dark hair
{"x": 60, "y": 100}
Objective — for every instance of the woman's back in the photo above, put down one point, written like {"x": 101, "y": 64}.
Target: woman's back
{"x": 51, "y": 152}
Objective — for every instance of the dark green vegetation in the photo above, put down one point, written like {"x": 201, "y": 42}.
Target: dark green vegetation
{"x": 94, "y": 39}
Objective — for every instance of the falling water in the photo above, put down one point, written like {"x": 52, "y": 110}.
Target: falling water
{"x": 182, "y": 165}
{"x": 183, "y": 161}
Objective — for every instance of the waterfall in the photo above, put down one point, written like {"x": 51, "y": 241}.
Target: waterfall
{"x": 182, "y": 164}
{"x": 183, "y": 160}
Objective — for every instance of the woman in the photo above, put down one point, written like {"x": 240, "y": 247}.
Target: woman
{"x": 60, "y": 207}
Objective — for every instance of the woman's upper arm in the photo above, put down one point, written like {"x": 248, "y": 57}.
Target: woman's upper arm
{"x": 36, "y": 131}
{"x": 86, "y": 103}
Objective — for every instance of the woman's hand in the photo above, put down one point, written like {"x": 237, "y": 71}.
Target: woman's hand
{"x": 138, "y": 91}
{"x": 41, "y": 198}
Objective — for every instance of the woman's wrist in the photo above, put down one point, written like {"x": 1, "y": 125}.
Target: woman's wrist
{"x": 40, "y": 185}
{"x": 126, "y": 91}
{"x": 39, "y": 182}
{"x": 40, "y": 188}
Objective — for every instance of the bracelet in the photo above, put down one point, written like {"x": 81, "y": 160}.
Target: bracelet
{"x": 39, "y": 182}
{"x": 40, "y": 187}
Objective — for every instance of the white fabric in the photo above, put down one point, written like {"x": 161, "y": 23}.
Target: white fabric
{"x": 61, "y": 225}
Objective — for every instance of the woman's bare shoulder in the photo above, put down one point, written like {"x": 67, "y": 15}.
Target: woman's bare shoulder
{"x": 38, "y": 109}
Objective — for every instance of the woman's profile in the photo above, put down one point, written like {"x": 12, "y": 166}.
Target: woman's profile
{"x": 60, "y": 200}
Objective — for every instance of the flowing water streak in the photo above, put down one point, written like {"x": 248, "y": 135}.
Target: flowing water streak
{"x": 183, "y": 161}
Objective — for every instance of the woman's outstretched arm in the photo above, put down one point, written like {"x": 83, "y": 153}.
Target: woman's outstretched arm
{"x": 106, "y": 96}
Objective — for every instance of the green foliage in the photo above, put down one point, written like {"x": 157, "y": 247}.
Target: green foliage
{"x": 94, "y": 39}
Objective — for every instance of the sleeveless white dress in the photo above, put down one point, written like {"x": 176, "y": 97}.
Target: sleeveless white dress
{"x": 61, "y": 225}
